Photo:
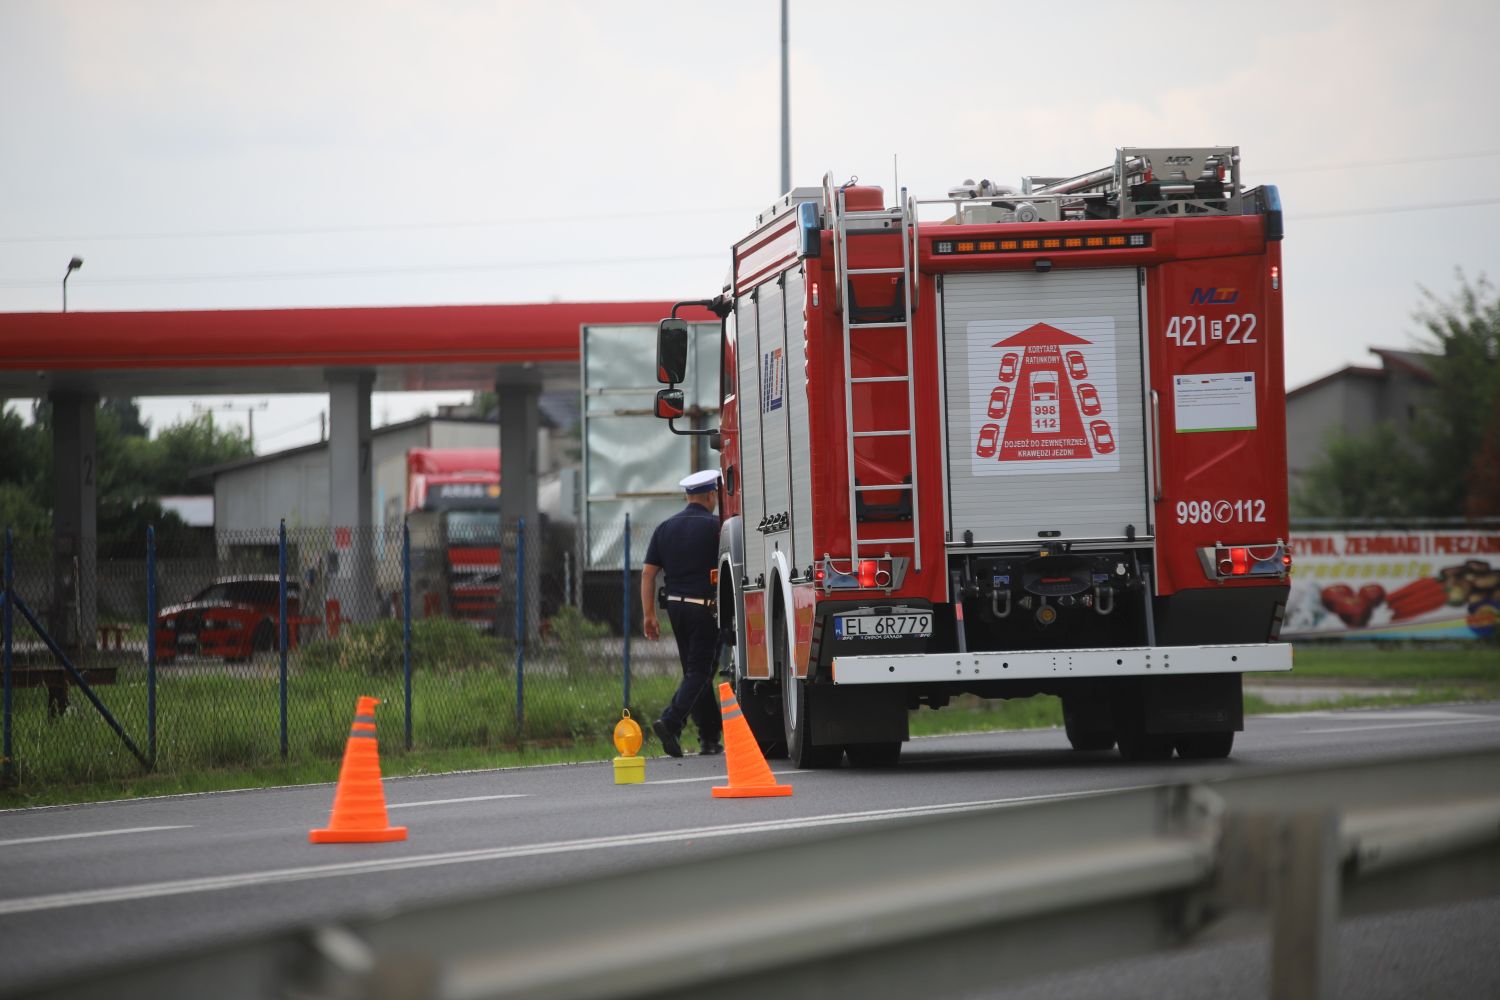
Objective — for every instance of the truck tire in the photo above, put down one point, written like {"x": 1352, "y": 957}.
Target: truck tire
{"x": 761, "y": 703}
{"x": 1203, "y": 746}
{"x": 796, "y": 720}
{"x": 1084, "y": 723}
{"x": 1145, "y": 746}
{"x": 873, "y": 755}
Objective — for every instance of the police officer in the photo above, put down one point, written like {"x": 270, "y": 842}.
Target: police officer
{"x": 684, "y": 549}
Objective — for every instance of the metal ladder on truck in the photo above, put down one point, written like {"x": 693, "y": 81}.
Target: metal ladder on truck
{"x": 898, "y": 221}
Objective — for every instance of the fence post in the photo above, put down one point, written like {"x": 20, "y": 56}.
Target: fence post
{"x": 281, "y": 580}
{"x": 151, "y": 646}
{"x": 406, "y": 621}
{"x": 7, "y": 763}
{"x": 625, "y": 613}
{"x": 520, "y": 628}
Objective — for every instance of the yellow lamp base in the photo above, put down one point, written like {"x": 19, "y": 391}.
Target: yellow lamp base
{"x": 630, "y": 770}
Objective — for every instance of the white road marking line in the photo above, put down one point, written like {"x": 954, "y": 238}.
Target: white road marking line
{"x": 152, "y": 890}
{"x": 1466, "y": 720}
{"x": 95, "y": 833}
{"x": 444, "y": 802}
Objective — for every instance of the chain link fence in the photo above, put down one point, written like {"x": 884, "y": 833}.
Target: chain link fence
{"x": 239, "y": 650}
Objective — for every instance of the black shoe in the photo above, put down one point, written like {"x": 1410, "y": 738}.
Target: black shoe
{"x": 710, "y": 748}
{"x": 668, "y": 738}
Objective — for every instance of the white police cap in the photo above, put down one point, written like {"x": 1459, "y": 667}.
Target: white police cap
{"x": 701, "y": 482}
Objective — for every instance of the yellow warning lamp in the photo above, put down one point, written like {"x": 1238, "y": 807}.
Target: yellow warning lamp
{"x": 629, "y": 769}
{"x": 628, "y": 737}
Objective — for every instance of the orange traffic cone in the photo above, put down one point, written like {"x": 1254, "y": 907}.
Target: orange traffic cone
{"x": 359, "y": 801}
{"x": 749, "y": 775}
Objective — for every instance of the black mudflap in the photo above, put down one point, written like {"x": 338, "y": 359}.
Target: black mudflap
{"x": 1193, "y": 703}
{"x": 863, "y": 714}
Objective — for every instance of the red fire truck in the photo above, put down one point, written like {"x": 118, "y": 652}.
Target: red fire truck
{"x": 1111, "y": 529}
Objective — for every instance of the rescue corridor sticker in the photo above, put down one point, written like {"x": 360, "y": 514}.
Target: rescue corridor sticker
{"x": 1043, "y": 396}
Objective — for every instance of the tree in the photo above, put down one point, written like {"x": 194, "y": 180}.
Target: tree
{"x": 1361, "y": 475}
{"x": 133, "y": 470}
{"x": 1451, "y": 471}
{"x": 1463, "y": 337}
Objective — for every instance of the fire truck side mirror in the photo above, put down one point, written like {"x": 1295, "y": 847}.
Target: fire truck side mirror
{"x": 669, "y": 403}
{"x": 671, "y": 352}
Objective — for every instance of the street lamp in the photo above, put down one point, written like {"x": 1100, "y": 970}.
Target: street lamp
{"x": 73, "y": 265}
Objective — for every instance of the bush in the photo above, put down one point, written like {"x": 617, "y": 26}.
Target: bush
{"x": 377, "y": 648}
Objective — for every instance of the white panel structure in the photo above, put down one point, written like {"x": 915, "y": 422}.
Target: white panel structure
{"x": 798, "y": 424}
{"x": 1045, "y": 406}
{"x": 749, "y": 481}
{"x": 775, "y": 446}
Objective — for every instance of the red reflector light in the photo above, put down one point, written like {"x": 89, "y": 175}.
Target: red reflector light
{"x": 818, "y": 575}
{"x": 867, "y": 572}
{"x": 1239, "y": 560}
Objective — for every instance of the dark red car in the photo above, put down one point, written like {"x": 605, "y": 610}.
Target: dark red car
{"x": 1088, "y": 400}
{"x": 233, "y": 617}
{"x": 1104, "y": 440}
{"x": 1008, "y": 367}
{"x": 989, "y": 439}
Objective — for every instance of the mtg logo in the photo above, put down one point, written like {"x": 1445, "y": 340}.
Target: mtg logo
{"x": 1214, "y": 296}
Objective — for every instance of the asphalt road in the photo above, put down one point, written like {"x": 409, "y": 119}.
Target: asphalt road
{"x": 84, "y": 886}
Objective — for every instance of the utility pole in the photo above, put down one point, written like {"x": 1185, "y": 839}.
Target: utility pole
{"x": 786, "y": 109}
{"x": 248, "y": 409}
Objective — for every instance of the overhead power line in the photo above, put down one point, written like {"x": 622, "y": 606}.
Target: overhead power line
{"x": 139, "y": 279}
{"x": 1399, "y": 162}
{"x": 537, "y": 220}
{"x": 373, "y": 271}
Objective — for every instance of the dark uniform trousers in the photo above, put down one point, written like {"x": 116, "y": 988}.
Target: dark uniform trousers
{"x": 696, "y": 631}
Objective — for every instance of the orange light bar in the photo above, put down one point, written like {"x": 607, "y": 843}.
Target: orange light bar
{"x": 1133, "y": 241}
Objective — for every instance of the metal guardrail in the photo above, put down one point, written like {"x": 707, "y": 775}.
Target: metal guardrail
{"x": 924, "y": 907}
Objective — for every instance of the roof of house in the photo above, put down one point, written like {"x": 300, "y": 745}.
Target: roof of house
{"x": 1410, "y": 362}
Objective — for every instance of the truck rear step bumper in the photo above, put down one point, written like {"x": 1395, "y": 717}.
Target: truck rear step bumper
{"x": 1128, "y": 661}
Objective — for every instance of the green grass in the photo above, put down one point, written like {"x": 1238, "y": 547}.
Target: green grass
{"x": 967, "y": 714}
{"x": 218, "y": 732}
{"x": 1386, "y": 662}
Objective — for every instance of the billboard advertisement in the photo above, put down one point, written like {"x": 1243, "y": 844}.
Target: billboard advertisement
{"x": 1394, "y": 584}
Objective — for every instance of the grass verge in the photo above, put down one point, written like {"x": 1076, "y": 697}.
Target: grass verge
{"x": 465, "y": 721}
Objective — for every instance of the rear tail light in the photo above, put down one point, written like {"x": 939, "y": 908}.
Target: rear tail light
{"x": 884, "y": 573}
{"x": 1240, "y": 562}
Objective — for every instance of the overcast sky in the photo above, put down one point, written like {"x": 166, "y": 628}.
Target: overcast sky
{"x": 201, "y": 154}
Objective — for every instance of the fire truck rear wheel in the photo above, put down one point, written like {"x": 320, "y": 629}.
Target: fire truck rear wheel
{"x": 761, "y": 703}
{"x": 873, "y": 755}
{"x": 1145, "y": 746}
{"x": 1086, "y": 726}
{"x": 794, "y": 707}
{"x": 1204, "y": 746}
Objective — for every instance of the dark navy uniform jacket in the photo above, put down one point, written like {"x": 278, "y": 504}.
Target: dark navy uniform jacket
{"x": 686, "y": 547}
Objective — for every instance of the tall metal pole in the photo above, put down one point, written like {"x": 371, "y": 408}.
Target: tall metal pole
{"x": 786, "y": 112}
{"x": 151, "y": 644}
{"x": 406, "y": 620}
{"x": 284, "y": 629}
{"x": 520, "y": 628}
{"x": 7, "y": 762}
{"x": 625, "y": 612}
